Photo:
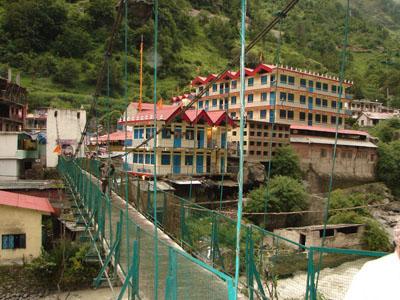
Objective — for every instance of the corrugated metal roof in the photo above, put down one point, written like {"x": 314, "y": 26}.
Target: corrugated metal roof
{"x": 25, "y": 201}
{"x": 326, "y": 129}
{"x": 331, "y": 141}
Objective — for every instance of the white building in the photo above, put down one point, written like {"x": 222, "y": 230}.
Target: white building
{"x": 64, "y": 126}
{"x": 17, "y": 153}
{"x": 369, "y": 119}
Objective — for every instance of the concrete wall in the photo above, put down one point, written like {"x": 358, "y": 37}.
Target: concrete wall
{"x": 8, "y": 145}
{"x": 69, "y": 131}
{"x": 9, "y": 169}
{"x": 351, "y": 162}
{"x": 18, "y": 221}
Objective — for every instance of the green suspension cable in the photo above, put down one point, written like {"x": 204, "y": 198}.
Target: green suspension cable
{"x": 194, "y": 151}
{"x": 242, "y": 110}
{"x": 128, "y": 246}
{"x": 277, "y": 63}
{"x": 221, "y": 186}
{"x": 155, "y": 152}
{"x": 341, "y": 80}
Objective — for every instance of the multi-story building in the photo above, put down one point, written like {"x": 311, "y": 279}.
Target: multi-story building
{"x": 282, "y": 95}
{"x": 193, "y": 142}
{"x": 12, "y": 105}
{"x": 362, "y": 105}
{"x": 36, "y": 121}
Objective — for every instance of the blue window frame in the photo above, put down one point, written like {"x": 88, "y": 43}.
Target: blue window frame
{"x": 200, "y": 104}
{"x": 302, "y": 99}
{"x": 291, "y": 97}
{"x": 333, "y": 104}
{"x": 147, "y": 159}
{"x": 334, "y": 88}
{"x": 188, "y": 160}
{"x": 325, "y": 87}
{"x": 250, "y": 81}
{"x": 263, "y": 97}
{"x": 283, "y": 79}
{"x": 317, "y": 101}
{"x": 250, "y": 115}
{"x": 333, "y": 119}
{"x": 310, "y": 83}
{"x": 166, "y": 133}
{"x": 135, "y": 158}
{"x": 283, "y": 96}
{"x": 318, "y": 85}
{"x": 214, "y": 102}
{"x": 250, "y": 98}
{"x": 233, "y": 100}
{"x": 207, "y": 104}
{"x": 166, "y": 159}
{"x": 263, "y": 114}
{"x": 234, "y": 84}
{"x": 214, "y": 87}
{"x": 13, "y": 241}
{"x": 138, "y": 133}
{"x": 303, "y": 83}
{"x": 324, "y": 103}
{"x": 140, "y": 158}
{"x": 290, "y": 80}
{"x": 264, "y": 79}
{"x": 272, "y": 79}
{"x": 149, "y": 132}
{"x": 272, "y": 98}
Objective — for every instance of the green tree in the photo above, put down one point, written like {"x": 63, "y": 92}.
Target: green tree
{"x": 285, "y": 194}
{"x": 73, "y": 42}
{"x": 34, "y": 24}
{"x": 100, "y": 13}
{"x": 388, "y": 167}
{"x": 286, "y": 163}
{"x": 387, "y": 130}
{"x": 67, "y": 72}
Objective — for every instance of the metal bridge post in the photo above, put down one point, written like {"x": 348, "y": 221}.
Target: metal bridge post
{"x": 171, "y": 289}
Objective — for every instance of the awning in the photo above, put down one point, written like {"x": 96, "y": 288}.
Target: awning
{"x": 185, "y": 182}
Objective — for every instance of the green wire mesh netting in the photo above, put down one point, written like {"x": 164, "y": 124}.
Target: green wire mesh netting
{"x": 272, "y": 267}
{"x": 180, "y": 276}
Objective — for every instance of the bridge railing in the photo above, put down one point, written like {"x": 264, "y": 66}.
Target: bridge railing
{"x": 180, "y": 276}
{"x": 273, "y": 267}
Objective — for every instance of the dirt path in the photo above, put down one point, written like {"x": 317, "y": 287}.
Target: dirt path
{"x": 90, "y": 294}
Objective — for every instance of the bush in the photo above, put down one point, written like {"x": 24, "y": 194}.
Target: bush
{"x": 67, "y": 72}
{"x": 64, "y": 266}
{"x": 388, "y": 167}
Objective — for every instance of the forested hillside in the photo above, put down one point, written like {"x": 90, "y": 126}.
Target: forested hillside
{"x": 58, "y": 44}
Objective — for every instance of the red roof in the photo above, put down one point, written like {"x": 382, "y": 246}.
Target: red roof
{"x": 163, "y": 114}
{"x": 261, "y": 67}
{"x": 115, "y": 136}
{"x": 193, "y": 116}
{"x": 325, "y": 129}
{"x": 26, "y": 201}
{"x": 219, "y": 116}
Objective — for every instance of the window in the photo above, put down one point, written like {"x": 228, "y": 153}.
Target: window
{"x": 234, "y": 133}
{"x": 233, "y": 100}
{"x": 234, "y": 84}
{"x": 140, "y": 158}
{"x": 290, "y": 114}
{"x": 250, "y": 81}
{"x": 264, "y": 79}
{"x": 149, "y": 132}
{"x": 283, "y": 96}
{"x": 303, "y": 83}
{"x": 200, "y": 104}
{"x": 13, "y": 241}
{"x": 291, "y": 97}
{"x": 272, "y": 79}
{"x": 214, "y": 87}
{"x": 263, "y": 97}
{"x": 263, "y": 114}
{"x": 166, "y": 133}
{"x": 333, "y": 120}
{"x": 334, "y": 88}
{"x": 214, "y": 102}
{"x": 233, "y": 114}
{"x": 324, "y": 103}
{"x": 78, "y": 115}
{"x": 250, "y": 115}
{"x": 207, "y": 104}
{"x": 148, "y": 159}
{"x": 189, "y": 134}
{"x": 250, "y": 98}
{"x": 325, "y": 87}
{"x": 282, "y": 114}
{"x": 291, "y": 80}
{"x": 340, "y": 121}
{"x": 283, "y": 79}
{"x": 138, "y": 133}
{"x": 333, "y": 104}
{"x": 302, "y": 116}
{"x": 165, "y": 159}
{"x": 251, "y": 133}
{"x": 251, "y": 143}
{"x": 258, "y": 134}
{"x": 318, "y": 101}
{"x": 310, "y": 83}
{"x": 318, "y": 118}
{"x": 324, "y": 119}
{"x": 188, "y": 160}
{"x": 318, "y": 85}
{"x": 302, "y": 99}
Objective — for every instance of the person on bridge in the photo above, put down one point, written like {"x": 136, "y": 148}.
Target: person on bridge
{"x": 106, "y": 172}
{"x": 380, "y": 278}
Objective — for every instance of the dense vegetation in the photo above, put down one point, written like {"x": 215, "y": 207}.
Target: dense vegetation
{"x": 58, "y": 45}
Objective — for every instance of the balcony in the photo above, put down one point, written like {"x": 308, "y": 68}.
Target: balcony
{"x": 27, "y": 154}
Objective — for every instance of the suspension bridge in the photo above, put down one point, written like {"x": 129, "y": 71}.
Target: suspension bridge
{"x": 189, "y": 251}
